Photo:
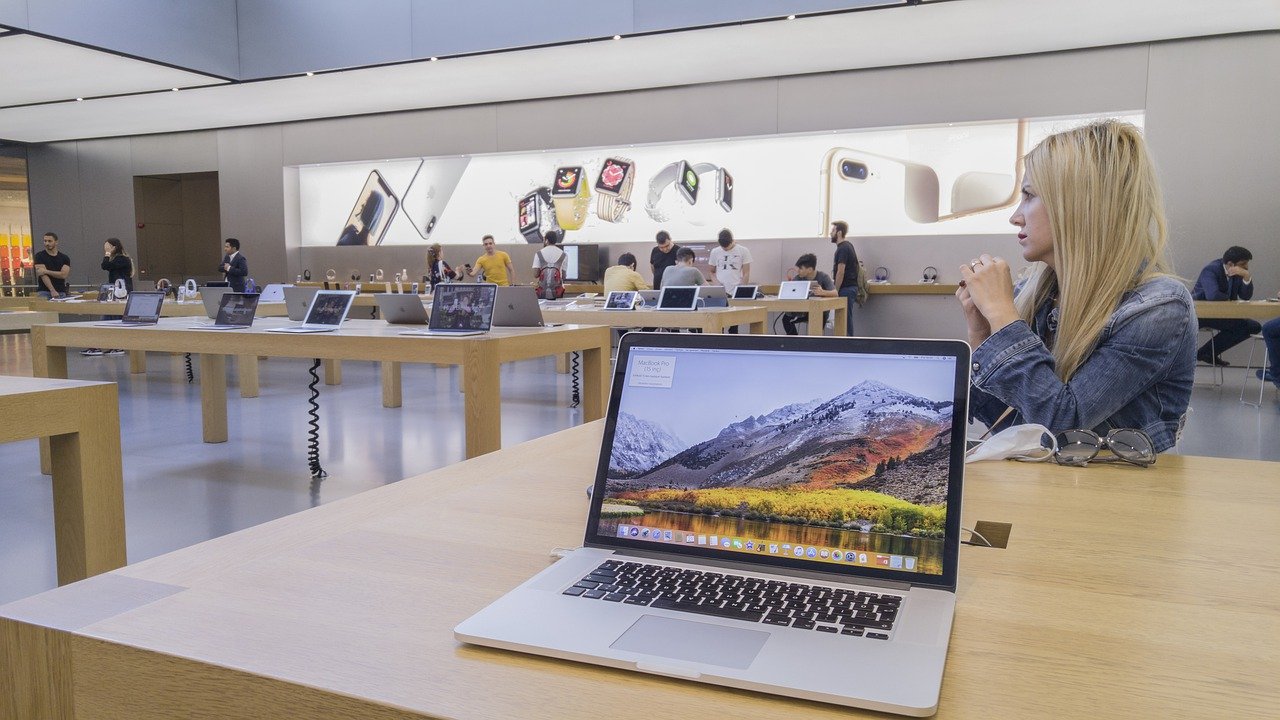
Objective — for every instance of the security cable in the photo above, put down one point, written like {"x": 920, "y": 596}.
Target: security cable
{"x": 191, "y": 377}
{"x": 313, "y": 433}
{"x": 574, "y": 362}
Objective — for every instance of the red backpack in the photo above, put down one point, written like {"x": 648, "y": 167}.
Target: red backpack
{"x": 550, "y": 278}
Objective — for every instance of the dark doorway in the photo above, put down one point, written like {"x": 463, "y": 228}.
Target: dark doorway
{"x": 179, "y": 225}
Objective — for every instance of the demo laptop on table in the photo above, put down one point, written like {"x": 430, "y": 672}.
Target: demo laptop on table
{"x": 297, "y": 300}
{"x": 746, "y": 292}
{"x": 620, "y": 300}
{"x": 325, "y": 314}
{"x": 460, "y": 309}
{"x": 794, "y": 290}
{"x": 212, "y": 299}
{"x": 678, "y": 297}
{"x": 235, "y": 312}
{"x": 400, "y": 309}
{"x": 714, "y": 296}
{"x": 273, "y": 292}
{"x": 142, "y": 308}
{"x": 517, "y": 306}
{"x": 791, "y": 526}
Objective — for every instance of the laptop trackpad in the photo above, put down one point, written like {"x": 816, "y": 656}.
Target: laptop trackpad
{"x": 693, "y": 642}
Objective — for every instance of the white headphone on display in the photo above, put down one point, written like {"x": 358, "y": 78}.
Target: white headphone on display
{"x": 882, "y": 274}
{"x": 930, "y": 275}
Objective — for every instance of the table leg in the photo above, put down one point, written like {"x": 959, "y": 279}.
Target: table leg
{"x": 332, "y": 372}
{"x": 481, "y": 385}
{"x": 815, "y": 322}
{"x": 391, "y": 389}
{"x": 562, "y": 363}
{"x": 247, "y": 367}
{"x": 213, "y": 397}
{"x": 137, "y": 362}
{"x": 759, "y": 327}
{"x": 595, "y": 382}
{"x": 841, "y": 320}
{"x": 88, "y": 492}
{"x": 48, "y": 362}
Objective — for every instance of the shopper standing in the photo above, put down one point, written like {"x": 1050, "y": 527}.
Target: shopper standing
{"x": 845, "y": 270}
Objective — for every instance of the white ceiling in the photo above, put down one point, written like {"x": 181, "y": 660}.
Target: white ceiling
{"x": 959, "y": 30}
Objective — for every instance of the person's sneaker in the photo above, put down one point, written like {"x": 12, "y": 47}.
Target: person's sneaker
{"x": 1267, "y": 375}
{"x": 115, "y": 351}
{"x": 91, "y": 351}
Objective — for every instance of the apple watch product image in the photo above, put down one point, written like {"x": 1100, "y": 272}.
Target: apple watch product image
{"x": 535, "y": 215}
{"x": 570, "y": 196}
{"x": 613, "y": 188}
{"x": 688, "y": 182}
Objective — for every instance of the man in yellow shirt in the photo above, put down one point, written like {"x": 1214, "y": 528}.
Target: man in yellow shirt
{"x": 623, "y": 276}
{"x": 494, "y": 265}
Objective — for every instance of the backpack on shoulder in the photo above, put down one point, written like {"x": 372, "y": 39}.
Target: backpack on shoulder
{"x": 550, "y": 278}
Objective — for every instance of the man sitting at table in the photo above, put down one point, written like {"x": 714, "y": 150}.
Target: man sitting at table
{"x": 822, "y": 286}
{"x": 623, "y": 276}
{"x": 1225, "y": 279}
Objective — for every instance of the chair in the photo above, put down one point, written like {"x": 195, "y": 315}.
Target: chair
{"x": 1213, "y": 352}
{"x": 1262, "y": 382}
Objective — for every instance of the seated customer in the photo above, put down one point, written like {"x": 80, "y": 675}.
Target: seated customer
{"x": 1271, "y": 336}
{"x": 823, "y": 286}
{"x": 683, "y": 273}
{"x": 1100, "y": 336}
{"x": 623, "y": 276}
{"x": 1225, "y": 279}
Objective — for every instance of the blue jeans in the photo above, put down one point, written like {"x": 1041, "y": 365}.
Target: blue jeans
{"x": 44, "y": 294}
{"x": 1271, "y": 336}
{"x": 850, "y": 295}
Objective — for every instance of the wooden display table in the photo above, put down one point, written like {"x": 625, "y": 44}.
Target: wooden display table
{"x": 1260, "y": 310}
{"x": 711, "y": 320}
{"x": 479, "y": 357}
{"x": 812, "y": 306}
{"x": 1125, "y": 593}
{"x": 82, "y": 423}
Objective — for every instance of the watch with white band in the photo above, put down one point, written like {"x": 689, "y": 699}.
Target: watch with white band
{"x": 613, "y": 188}
{"x": 686, "y": 178}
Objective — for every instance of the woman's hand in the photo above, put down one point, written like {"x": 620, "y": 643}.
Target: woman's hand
{"x": 979, "y": 328}
{"x": 989, "y": 285}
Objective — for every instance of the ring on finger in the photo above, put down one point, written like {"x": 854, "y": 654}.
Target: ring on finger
{"x": 974, "y": 265}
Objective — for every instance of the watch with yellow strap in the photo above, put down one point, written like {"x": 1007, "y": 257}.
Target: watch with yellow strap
{"x": 571, "y": 197}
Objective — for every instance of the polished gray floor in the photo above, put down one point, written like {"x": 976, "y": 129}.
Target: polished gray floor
{"x": 180, "y": 491}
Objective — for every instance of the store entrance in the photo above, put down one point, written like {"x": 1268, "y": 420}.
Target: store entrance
{"x": 179, "y": 226}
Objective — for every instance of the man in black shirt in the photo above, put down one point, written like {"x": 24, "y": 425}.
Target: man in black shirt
{"x": 662, "y": 257}
{"x": 52, "y": 269}
{"x": 846, "y": 269}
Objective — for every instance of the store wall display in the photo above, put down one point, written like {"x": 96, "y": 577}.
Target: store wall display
{"x": 928, "y": 180}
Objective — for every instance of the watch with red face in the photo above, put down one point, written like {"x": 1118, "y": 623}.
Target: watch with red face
{"x": 613, "y": 186}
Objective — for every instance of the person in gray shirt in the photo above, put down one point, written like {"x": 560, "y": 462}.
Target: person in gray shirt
{"x": 824, "y": 286}
{"x": 683, "y": 272}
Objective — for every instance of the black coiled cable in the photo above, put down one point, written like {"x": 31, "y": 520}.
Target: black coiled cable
{"x": 574, "y": 362}
{"x": 313, "y": 431}
{"x": 191, "y": 376}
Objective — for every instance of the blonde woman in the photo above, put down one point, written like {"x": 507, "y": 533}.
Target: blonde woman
{"x": 438, "y": 270}
{"x": 1100, "y": 337}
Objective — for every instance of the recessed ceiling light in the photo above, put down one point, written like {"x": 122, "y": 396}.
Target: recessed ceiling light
{"x": 791, "y": 17}
{"x": 310, "y": 74}
{"x": 617, "y": 37}
{"x": 434, "y": 59}
{"x": 174, "y": 89}
{"x": 79, "y": 99}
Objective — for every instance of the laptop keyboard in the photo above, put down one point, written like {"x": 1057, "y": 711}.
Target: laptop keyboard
{"x": 772, "y": 602}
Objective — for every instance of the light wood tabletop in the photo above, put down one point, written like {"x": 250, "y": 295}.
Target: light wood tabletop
{"x": 479, "y": 356}
{"x": 710, "y": 320}
{"x": 811, "y": 306}
{"x": 1124, "y": 593}
{"x": 81, "y": 421}
{"x": 1260, "y": 310}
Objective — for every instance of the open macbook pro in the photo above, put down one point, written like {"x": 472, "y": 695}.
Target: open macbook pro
{"x": 517, "y": 306}
{"x": 460, "y": 309}
{"x": 401, "y": 309}
{"x": 235, "y": 312}
{"x": 794, "y": 290}
{"x": 679, "y": 297}
{"x": 325, "y": 314}
{"x": 142, "y": 308}
{"x": 791, "y": 526}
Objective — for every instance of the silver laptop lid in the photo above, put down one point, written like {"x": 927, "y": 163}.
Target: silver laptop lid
{"x": 297, "y": 300}
{"x": 831, "y": 455}
{"x": 517, "y": 306}
{"x": 237, "y": 309}
{"x": 273, "y": 292}
{"x": 678, "y": 297}
{"x": 143, "y": 307}
{"x": 212, "y": 299}
{"x": 463, "y": 306}
{"x": 329, "y": 307}
{"x": 401, "y": 309}
{"x": 794, "y": 289}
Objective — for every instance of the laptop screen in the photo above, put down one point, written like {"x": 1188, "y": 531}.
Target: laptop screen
{"x": 143, "y": 305}
{"x": 237, "y": 309}
{"x": 677, "y": 297}
{"x": 620, "y": 300}
{"x": 744, "y": 292}
{"x": 463, "y": 306}
{"x": 832, "y": 456}
{"x": 328, "y": 308}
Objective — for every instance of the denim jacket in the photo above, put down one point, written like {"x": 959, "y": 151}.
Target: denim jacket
{"x": 1139, "y": 374}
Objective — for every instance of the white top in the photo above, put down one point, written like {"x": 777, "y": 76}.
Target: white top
{"x": 552, "y": 253}
{"x": 728, "y": 264}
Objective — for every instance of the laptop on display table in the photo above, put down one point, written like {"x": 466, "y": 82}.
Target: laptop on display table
{"x": 794, "y": 290}
{"x": 325, "y": 314}
{"x": 400, "y": 309}
{"x": 297, "y": 300}
{"x": 235, "y": 312}
{"x": 714, "y": 296}
{"x": 460, "y": 309}
{"x": 745, "y": 528}
{"x": 142, "y": 308}
{"x": 678, "y": 297}
{"x": 517, "y": 306}
{"x": 746, "y": 292}
{"x": 621, "y": 300}
{"x": 273, "y": 292}
{"x": 212, "y": 299}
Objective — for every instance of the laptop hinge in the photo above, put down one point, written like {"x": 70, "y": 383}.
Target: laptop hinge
{"x": 751, "y": 568}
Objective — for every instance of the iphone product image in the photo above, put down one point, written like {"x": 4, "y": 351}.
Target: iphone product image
{"x": 428, "y": 193}
{"x": 724, "y": 190}
{"x": 374, "y": 209}
{"x": 875, "y": 194}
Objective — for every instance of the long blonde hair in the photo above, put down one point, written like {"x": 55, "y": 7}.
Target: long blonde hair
{"x": 1099, "y": 186}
